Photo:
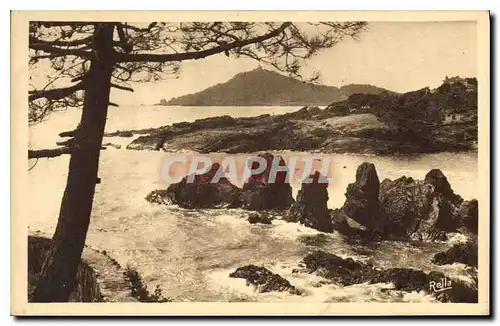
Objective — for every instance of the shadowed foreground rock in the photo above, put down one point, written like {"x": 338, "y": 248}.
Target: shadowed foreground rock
{"x": 348, "y": 272}
{"x": 310, "y": 208}
{"x": 263, "y": 279}
{"x": 261, "y": 193}
{"x": 362, "y": 203}
{"x": 159, "y": 196}
{"x": 465, "y": 253}
{"x": 423, "y": 210}
{"x": 441, "y": 185}
{"x": 201, "y": 193}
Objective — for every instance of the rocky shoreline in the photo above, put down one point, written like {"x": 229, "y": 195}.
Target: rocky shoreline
{"x": 308, "y": 129}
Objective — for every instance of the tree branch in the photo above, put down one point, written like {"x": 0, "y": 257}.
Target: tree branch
{"x": 56, "y": 93}
{"x": 48, "y": 152}
{"x": 125, "y": 57}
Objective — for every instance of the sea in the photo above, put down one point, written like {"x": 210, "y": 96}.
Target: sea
{"x": 190, "y": 253}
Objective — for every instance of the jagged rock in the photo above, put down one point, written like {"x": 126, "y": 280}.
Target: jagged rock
{"x": 405, "y": 279}
{"x": 263, "y": 279}
{"x": 465, "y": 253}
{"x": 149, "y": 142}
{"x": 261, "y": 194}
{"x": 310, "y": 208}
{"x": 261, "y": 218}
{"x": 159, "y": 197}
{"x": 362, "y": 202}
{"x": 423, "y": 210}
{"x": 203, "y": 193}
{"x": 468, "y": 215}
{"x": 120, "y": 133}
{"x": 436, "y": 178}
{"x": 339, "y": 222}
{"x": 348, "y": 272}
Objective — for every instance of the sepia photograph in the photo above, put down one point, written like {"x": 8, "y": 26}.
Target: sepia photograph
{"x": 250, "y": 163}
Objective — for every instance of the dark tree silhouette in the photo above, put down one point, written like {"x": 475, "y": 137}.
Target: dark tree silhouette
{"x": 86, "y": 59}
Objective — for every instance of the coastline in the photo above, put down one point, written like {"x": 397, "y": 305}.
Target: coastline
{"x": 309, "y": 129}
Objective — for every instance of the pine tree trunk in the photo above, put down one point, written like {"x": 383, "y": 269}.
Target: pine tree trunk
{"x": 57, "y": 278}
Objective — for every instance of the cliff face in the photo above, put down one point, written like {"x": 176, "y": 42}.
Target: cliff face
{"x": 261, "y": 87}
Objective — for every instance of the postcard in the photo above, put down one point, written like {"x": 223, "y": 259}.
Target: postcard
{"x": 250, "y": 163}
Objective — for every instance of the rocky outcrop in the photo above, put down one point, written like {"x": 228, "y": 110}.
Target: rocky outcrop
{"x": 352, "y": 231}
{"x": 465, "y": 253}
{"x": 261, "y": 193}
{"x": 201, "y": 193}
{"x": 263, "y": 279}
{"x": 423, "y": 210}
{"x": 259, "y": 218}
{"x": 436, "y": 178}
{"x": 339, "y": 270}
{"x": 362, "y": 202}
{"x": 159, "y": 197}
{"x": 348, "y": 271}
{"x": 99, "y": 277}
{"x": 120, "y": 133}
{"x": 310, "y": 208}
{"x": 468, "y": 215}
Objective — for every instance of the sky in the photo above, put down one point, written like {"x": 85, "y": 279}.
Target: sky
{"x": 399, "y": 56}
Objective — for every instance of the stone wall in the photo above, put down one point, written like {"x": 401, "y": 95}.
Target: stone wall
{"x": 99, "y": 277}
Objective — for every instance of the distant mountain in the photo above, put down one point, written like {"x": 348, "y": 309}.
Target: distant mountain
{"x": 350, "y": 89}
{"x": 261, "y": 87}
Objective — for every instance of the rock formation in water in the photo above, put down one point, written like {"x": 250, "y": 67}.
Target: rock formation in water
{"x": 259, "y": 218}
{"x": 263, "y": 279}
{"x": 465, "y": 253}
{"x": 159, "y": 196}
{"x": 201, "y": 193}
{"x": 424, "y": 210}
{"x": 310, "y": 208}
{"x": 261, "y": 193}
{"x": 362, "y": 203}
{"x": 348, "y": 272}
